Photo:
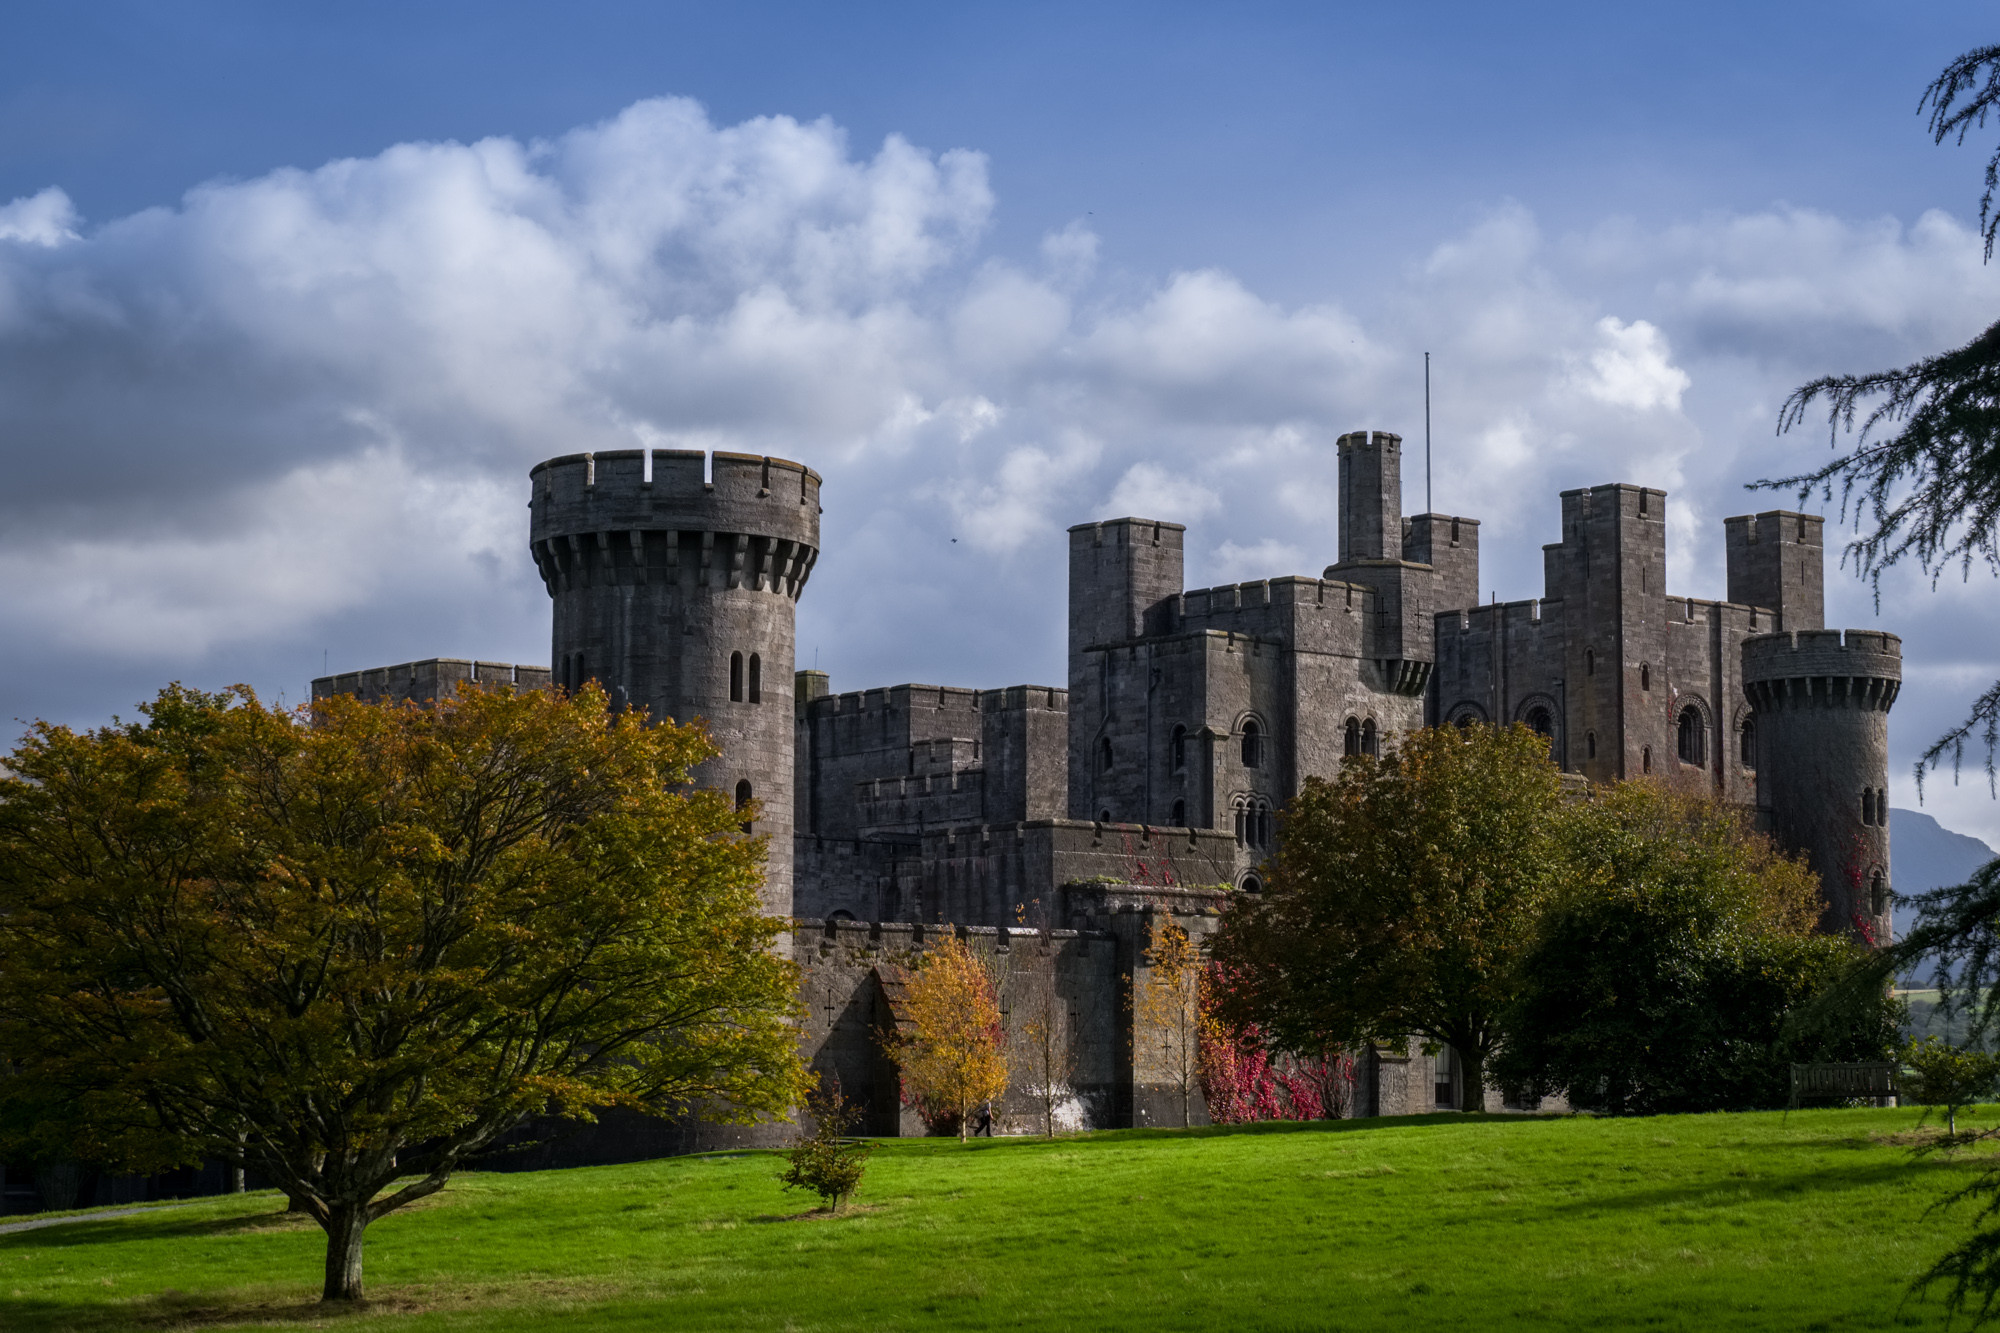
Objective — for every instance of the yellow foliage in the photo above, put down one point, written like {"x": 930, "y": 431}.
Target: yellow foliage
{"x": 954, "y": 1056}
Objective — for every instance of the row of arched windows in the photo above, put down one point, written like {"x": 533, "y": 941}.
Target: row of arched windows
{"x": 1359, "y": 737}
{"x": 1875, "y": 807}
{"x": 1253, "y": 822}
{"x": 746, "y": 685}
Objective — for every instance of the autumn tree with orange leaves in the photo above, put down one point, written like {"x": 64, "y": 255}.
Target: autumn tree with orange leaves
{"x": 953, "y": 1054}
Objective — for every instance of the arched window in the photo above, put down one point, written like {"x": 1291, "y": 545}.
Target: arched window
{"x": 1867, "y": 805}
{"x": 1178, "y": 751}
{"x": 1251, "y": 884}
{"x": 1104, "y": 754}
{"x": 743, "y": 795}
{"x": 1646, "y": 759}
{"x": 1589, "y": 661}
{"x": 1264, "y": 825}
{"x": 1368, "y": 745}
{"x": 1104, "y": 816}
{"x": 1645, "y": 675}
{"x": 1179, "y": 819}
{"x": 1878, "y": 893}
{"x": 1746, "y": 742}
{"x": 582, "y": 672}
{"x": 563, "y": 678}
{"x": 756, "y": 679}
{"x": 1351, "y": 736}
{"x": 1253, "y": 744}
{"x": 1590, "y": 745}
{"x": 1540, "y": 722}
{"x": 736, "y": 678}
{"x": 1689, "y": 738}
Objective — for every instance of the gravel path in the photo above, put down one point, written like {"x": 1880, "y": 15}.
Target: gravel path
{"x": 36, "y": 1224}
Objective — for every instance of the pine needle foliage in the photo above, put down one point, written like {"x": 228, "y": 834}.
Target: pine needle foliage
{"x": 825, "y": 1160}
{"x": 352, "y": 945}
{"x": 1922, "y": 479}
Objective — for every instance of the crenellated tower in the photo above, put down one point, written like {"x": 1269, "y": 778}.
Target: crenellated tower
{"x": 675, "y": 584}
{"x": 1820, "y": 705}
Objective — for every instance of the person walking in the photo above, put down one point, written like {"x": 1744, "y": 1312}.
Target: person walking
{"x": 984, "y": 1124}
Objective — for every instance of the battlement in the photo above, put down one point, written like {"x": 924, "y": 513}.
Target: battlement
{"x": 1488, "y": 616}
{"x": 1825, "y": 668}
{"x": 641, "y": 510}
{"x": 904, "y": 700}
{"x": 1295, "y": 590}
{"x": 431, "y": 678}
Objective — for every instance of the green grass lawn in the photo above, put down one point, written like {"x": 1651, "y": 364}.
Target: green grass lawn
{"x": 1697, "y": 1222}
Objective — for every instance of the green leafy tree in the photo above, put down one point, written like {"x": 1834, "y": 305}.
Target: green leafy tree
{"x": 1937, "y": 1074}
{"x": 1664, "y": 973}
{"x": 1401, "y": 898}
{"x": 353, "y": 945}
{"x": 825, "y": 1160}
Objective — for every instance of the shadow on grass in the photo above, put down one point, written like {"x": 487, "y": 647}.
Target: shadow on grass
{"x": 175, "y": 1309}
{"x": 1155, "y": 1133}
{"x": 74, "y": 1235}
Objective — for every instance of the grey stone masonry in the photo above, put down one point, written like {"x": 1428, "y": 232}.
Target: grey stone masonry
{"x": 1822, "y": 701}
{"x": 675, "y": 577}
{"x": 1777, "y": 559}
{"x": 432, "y": 678}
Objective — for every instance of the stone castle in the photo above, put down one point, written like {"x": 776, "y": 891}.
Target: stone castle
{"x": 1056, "y": 826}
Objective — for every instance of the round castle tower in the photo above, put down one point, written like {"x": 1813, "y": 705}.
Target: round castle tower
{"x": 1820, "y": 707}
{"x": 675, "y": 592}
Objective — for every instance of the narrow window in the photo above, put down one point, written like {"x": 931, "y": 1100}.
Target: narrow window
{"x": 1242, "y": 824}
{"x": 1645, "y": 675}
{"x": 1689, "y": 737}
{"x": 582, "y": 672}
{"x": 564, "y": 679}
{"x": 1351, "y": 742}
{"x": 756, "y": 679}
{"x": 1589, "y": 662}
{"x": 1253, "y": 745}
{"x": 1867, "y": 805}
{"x": 743, "y": 794}
{"x": 736, "y": 678}
{"x": 1747, "y": 743}
{"x": 1590, "y": 745}
{"x": 1179, "y": 819}
{"x": 1646, "y": 759}
{"x": 1264, "y": 826}
{"x": 1368, "y": 737}
{"x": 1104, "y": 754}
{"x": 1878, "y": 893}
{"x": 1178, "y": 751}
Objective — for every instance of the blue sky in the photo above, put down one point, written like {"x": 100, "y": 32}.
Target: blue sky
{"x": 291, "y": 296}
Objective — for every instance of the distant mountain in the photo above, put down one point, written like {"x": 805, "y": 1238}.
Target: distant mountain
{"x": 1925, "y": 855}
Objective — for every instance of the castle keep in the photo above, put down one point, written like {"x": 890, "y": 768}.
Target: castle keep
{"x": 1057, "y": 825}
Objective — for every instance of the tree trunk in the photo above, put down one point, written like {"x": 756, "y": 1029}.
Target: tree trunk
{"x": 1471, "y": 1082}
{"x": 344, "y": 1229}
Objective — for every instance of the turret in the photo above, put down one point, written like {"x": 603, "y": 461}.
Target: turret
{"x": 1777, "y": 560}
{"x": 675, "y": 587}
{"x": 1371, "y": 495}
{"x": 1820, "y": 711}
